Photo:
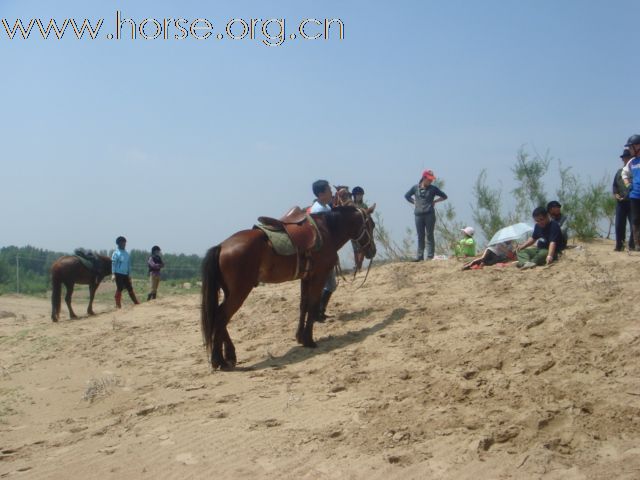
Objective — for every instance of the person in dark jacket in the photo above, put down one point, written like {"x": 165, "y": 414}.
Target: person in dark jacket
{"x": 555, "y": 212}
{"x": 623, "y": 206}
{"x": 423, "y": 197}
{"x": 155, "y": 264}
{"x": 548, "y": 240}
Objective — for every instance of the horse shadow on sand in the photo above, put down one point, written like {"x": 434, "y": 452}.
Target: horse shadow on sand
{"x": 330, "y": 343}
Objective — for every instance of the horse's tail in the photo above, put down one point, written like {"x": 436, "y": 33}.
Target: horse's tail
{"x": 210, "y": 290}
{"x": 56, "y": 294}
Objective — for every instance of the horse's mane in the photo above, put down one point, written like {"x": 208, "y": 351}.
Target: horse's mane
{"x": 336, "y": 213}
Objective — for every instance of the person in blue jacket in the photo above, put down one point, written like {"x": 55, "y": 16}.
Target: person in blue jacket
{"x": 631, "y": 179}
{"x": 121, "y": 272}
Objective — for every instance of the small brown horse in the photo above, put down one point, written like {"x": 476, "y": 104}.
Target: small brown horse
{"x": 71, "y": 270}
{"x": 246, "y": 258}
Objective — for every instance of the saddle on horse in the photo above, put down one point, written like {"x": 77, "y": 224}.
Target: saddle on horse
{"x": 89, "y": 260}
{"x": 300, "y": 229}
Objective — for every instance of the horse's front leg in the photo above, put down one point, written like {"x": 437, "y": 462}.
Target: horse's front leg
{"x": 93, "y": 286}
{"x": 67, "y": 299}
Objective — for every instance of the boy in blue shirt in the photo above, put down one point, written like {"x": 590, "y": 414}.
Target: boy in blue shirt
{"x": 121, "y": 272}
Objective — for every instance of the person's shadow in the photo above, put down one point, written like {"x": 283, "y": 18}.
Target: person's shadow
{"x": 328, "y": 344}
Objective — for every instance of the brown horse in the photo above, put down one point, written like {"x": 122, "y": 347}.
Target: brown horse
{"x": 246, "y": 258}
{"x": 71, "y": 270}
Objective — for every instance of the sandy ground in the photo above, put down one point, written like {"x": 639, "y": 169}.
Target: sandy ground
{"x": 424, "y": 372}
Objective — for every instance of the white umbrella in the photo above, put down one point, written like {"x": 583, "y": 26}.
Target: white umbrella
{"x": 512, "y": 232}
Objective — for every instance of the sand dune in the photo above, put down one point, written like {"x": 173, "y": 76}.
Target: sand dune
{"x": 424, "y": 372}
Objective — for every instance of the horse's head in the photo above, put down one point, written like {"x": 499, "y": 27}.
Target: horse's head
{"x": 358, "y": 226}
{"x": 364, "y": 238}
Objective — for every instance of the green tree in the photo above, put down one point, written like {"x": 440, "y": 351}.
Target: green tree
{"x": 447, "y": 231}
{"x": 609, "y": 204}
{"x": 390, "y": 250}
{"x": 529, "y": 172}
{"x": 487, "y": 210}
{"x": 583, "y": 203}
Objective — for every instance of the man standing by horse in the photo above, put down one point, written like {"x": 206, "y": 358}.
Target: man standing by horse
{"x": 121, "y": 272}
{"x": 322, "y": 204}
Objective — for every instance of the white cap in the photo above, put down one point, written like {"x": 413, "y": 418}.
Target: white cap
{"x": 469, "y": 231}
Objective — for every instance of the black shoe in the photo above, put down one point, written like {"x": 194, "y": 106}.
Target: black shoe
{"x": 418, "y": 259}
{"x": 619, "y": 249}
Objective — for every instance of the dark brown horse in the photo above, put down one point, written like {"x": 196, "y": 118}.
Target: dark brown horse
{"x": 71, "y": 270}
{"x": 246, "y": 258}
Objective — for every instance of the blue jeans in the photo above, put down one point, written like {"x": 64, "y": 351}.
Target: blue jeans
{"x": 332, "y": 283}
{"x": 623, "y": 215}
{"x": 426, "y": 223}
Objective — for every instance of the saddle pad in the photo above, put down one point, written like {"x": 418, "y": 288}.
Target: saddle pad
{"x": 88, "y": 264}
{"x": 280, "y": 241}
{"x": 88, "y": 259}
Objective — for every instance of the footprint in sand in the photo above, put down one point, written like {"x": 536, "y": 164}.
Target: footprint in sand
{"x": 186, "y": 458}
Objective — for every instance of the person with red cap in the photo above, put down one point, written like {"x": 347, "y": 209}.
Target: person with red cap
{"x": 423, "y": 197}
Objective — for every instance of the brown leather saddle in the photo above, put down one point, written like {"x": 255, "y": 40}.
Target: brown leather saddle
{"x": 298, "y": 225}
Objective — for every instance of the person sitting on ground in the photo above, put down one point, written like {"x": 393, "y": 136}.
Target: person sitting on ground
{"x": 553, "y": 207}
{"x": 466, "y": 247}
{"x": 499, "y": 253}
{"x": 548, "y": 240}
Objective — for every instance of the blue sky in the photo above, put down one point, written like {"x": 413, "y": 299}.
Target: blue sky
{"x": 182, "y": 143}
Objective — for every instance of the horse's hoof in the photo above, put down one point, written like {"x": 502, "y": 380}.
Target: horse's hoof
{"x": 53, "y": 319}
{"x": 91, "y": 313}
{"x": 228, "y": 367}
{"x": 310, "y": 344}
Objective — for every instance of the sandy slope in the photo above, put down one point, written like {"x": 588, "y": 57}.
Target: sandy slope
{"x": 425, "y": 372}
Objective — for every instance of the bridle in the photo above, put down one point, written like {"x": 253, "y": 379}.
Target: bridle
{"x": 365, "y": 231}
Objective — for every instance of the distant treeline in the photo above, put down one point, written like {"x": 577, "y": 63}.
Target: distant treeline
{"x": 26, "y": 269}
